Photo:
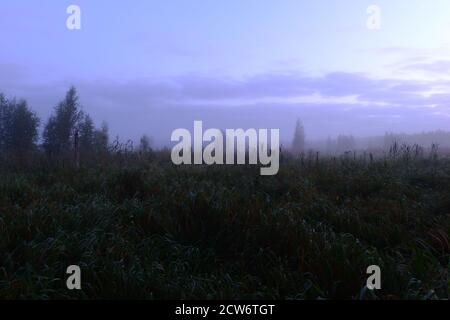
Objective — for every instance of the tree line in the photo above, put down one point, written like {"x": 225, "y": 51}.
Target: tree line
{"x": 67, "y": 129}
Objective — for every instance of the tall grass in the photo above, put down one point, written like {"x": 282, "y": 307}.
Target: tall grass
{"x": 142, "y": 228}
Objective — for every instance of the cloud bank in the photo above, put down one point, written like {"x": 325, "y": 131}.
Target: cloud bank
{"x": 337, "y": 102}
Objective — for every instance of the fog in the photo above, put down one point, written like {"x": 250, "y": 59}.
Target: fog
{"x": 234, "y": 65}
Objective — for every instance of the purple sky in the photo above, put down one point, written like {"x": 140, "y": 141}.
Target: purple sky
{"x": 153, "y": 66}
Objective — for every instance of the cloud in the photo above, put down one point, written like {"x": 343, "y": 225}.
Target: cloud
{"x": 273, "y": 100}
{"x": 288, "y": 86}
{"x": 438, "y": 67}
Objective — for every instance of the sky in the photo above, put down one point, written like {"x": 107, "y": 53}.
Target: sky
{"x": 151, "y": 66}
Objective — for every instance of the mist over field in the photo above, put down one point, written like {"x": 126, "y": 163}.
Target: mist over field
{"x": 233, "y": 64}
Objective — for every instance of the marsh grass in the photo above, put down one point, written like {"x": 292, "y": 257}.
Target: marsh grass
{"x": 145, "y": 229}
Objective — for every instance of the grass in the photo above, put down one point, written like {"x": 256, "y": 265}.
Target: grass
{"x": 150, "y": 230}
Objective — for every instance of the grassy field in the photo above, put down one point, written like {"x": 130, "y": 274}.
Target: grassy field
{"x": 149, "y": 230}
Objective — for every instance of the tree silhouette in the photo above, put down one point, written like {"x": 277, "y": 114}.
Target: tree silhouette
{"x": 145, "y": 144}
{"x": 87, "y": 131}
{"x": 61, "y": 127}
{"x": 24, "y": 130}
{"x": 101, "y": 138}
{"x": 18, "y": 126}
{"x": 6, "y": 111}
{"x": 298, "y": 144}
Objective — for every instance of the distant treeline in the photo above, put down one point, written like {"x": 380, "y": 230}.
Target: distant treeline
{"x": 346, "y": 143}
{"x": 71, "y": 131}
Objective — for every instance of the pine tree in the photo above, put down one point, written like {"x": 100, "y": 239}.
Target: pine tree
{"x": 87, "y": 131}
{"x": 18, "y": 126}
{"x": 24, "y": 130}
{"x": 6, "y": 111}
{"x": 61, "y": 127}
{"x": 298, "y": 144}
